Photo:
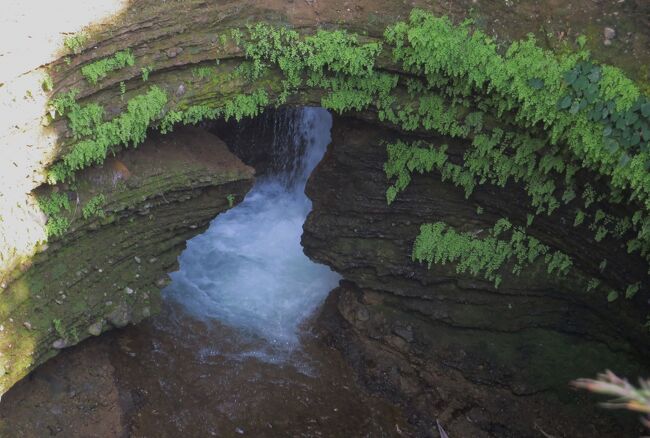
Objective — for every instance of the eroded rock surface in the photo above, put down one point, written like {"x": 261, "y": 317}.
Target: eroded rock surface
{"x": 485, "y": 361}
{"x": 108, "y": 270}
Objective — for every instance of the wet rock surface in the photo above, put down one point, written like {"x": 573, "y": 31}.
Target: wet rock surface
{"x": 174, "y": 375}
{"x": 484, "y": 361}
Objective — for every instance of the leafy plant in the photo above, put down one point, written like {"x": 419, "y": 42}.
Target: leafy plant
{"x": 75, "y": 42}
{"x": 93, "y": 207}
{"x": 58, "y": 328}
{"x": 54, "y": 206}
{"x": 130, "y": 127}
{"x": 146, "y": 71}
{"x": 48, "y": 83}
{"x": 485, "y": 256}
{"x": 627, "y": 396}
{"x": 98, "y": 70}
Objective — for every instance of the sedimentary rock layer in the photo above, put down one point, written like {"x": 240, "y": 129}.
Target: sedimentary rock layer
{"x": 108, "y": 270}
{"x": 451, "y": 346}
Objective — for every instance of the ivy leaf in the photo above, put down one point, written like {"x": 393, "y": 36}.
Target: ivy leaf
{"x": 571, "y": 76}
{"x": 624, "y": 160}
{"x": 575, "y": 107}
{"x": 632, "y": 290}
{"x": 612, "y": 145}
{"x": 581, "y": 83}
{"x": 631, "y": 118}
{"x": 591, "y": 92}
{"x": 564, "y": 103}
{"x": 645, "y": 110}
{"x": 536, "y": 83}
{"x": 645, "y": 131}
{"x": 612, "y": 296}
{"x": 594, "y": 75}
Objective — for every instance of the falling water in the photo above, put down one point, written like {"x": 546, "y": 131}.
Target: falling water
{"x": 248, "y": 270}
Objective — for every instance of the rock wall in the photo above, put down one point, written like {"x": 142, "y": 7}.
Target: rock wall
{"x": 484, "y": 361}
{"x": 108, "y": 270}
{"x": 173, "y": 38}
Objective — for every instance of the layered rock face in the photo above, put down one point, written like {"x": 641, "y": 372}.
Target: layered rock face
{"x": 107, "y": 271}
{"x": 484, "y": 361}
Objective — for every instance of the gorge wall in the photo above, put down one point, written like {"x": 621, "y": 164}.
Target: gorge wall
{"x": 454, "y": 345}
{"x": 484, "y": 361}
{"x": 108, "y": 270}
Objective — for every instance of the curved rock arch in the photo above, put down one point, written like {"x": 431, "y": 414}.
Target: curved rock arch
{"x": 177, "y": 51}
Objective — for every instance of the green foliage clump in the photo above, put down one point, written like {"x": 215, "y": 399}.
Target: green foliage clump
{"x": 404, "y": 159}
{"x": 58, "y": 328}
{"x": 130, "y": 127}
{"x": 83, "y": 121}
{"x": 65, "y": 102}
{"x": 204, "y": 72}
{"x": 47, "y": 84}
{"x": 231, "y": 200}
{"x": 93, "y": 207}
{"x": 331, "y": 60}
{"x": 245, "y": 105}
{"x": 624, "y": 113}
{"x": 98, "y": 70}
{"x": 485, "y": 256}
{"x": 75, "y": 42}
{"x": 55, "y": 206}
{"x": 528, "y": 82}
{"x": 146, "y": 71}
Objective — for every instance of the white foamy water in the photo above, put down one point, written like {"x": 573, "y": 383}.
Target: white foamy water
{"x": 248, "y": 269}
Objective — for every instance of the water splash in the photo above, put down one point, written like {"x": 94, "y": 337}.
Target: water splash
{"x": 248, "y": 269}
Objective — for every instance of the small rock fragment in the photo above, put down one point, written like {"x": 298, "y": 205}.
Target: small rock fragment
{"x": 609, "y": 33}
{"x": 120, "y": 316}
{"x": 128, "y": 290}
{"x": 59, "y": 344}
{"x": 27, "y": 325}
{"x": 362, "y": 314}
{"x": 137, "y": 259}
{"x": 96, "y": 328}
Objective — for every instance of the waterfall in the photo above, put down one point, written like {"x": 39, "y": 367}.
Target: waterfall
{"x": 248, "y": 270}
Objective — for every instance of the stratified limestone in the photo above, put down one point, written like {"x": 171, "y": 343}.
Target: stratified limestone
{"x": 108, "y": 271}
{"x": 485, "y": 361}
